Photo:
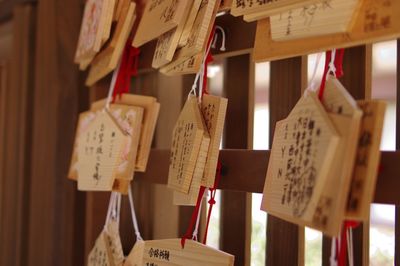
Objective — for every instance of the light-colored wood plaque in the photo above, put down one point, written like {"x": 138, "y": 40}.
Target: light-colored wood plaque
{"x": 316, "y": 19}
{"x": 158, "y": 18}
{"x": 189, "y": 22}
{"x": 129, "y": 119}
{"x": 92, "y": 29}
{"x": 190, "y": 198}
{"x": 167, "y": 43}
{"x": 377, "y": 20}
{"x": 107, "y": 60}
{"x": 301, "y": 158}
{"x": 183, "y": 66}
{"x": 186, "y": 143}
{"x": 170, "y": 252}
{"x": 108, "y": 21}
{"x": 200, "y": 31}
{"x": 107, "y": 250}
{"x": 365, "y": 170}
{"x": 100, "y": 147}
{"x": 213, "y": 109}
{"x": 346, "y": 116}
{"x": 265, "y": 8}
{"x": 151, "y": 110}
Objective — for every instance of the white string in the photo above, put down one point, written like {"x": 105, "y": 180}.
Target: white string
{"x": 112, "y": 85}
{"x": 312, "y": 85}
{"x": 350, "y": 253}
{"x": 110, "y": 207}
{"x": 196, "y": 228}
{"x": 133, "y": 213}
{"x": 332, "y": 259}
{"x": 214, "y": 42}
{"x": 332, "y": 68}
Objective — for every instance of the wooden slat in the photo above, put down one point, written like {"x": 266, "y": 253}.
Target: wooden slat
{"x": 356, "y": 63}
{"x": 285, "y": 90}
{"x": 240, "y": 164}
{"x": 56, "y": 210}
{"x": 233, "y": 204}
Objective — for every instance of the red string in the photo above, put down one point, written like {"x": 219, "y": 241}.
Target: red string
{"x": 338, "y": 63}
{"x": 193, "y": 220}
{"x": 212, "y": 202}
{"x": 342, "y": 258}
{"x": 128, "y": 68}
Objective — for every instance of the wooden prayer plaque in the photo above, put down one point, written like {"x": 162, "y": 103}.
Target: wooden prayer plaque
{"x": 365, "y": 170}
{"x": 201, "y": 30}
{"x": 265, "y": 8}
{"x": 108, "y": 21}
{"x": 167, "y": 43}
{"x": 170, "y": 252}
{"x": 301, "y": 159}
{"x": 128, "y": 119}
{"x": 213, "y": 109}
{"x": 190, "y": 198}
{"x": 186, "y": 144}
{"x": 189, "y": 22}
{"x": 315, "y": 19}
{"x": 107, "y": 250}
{"x": 158, "y": 18}
{"x": 346, "y": 116}
{"x": 92, "y": 29}
{"x": 107, "y": 60}
{"x": 100, "y": 147}
{"x": 184, "y": 66}
{"x": 151, "y": 110}
{"x": 376, "y": 20}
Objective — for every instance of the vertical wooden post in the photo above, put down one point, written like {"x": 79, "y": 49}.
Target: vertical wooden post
{"x": 357, "y": 80}
{"x": 233, "y": 204}
{"x": 16, "y": 108}
{"x": 287, "y": 76}
{"x": 56, "y": 209}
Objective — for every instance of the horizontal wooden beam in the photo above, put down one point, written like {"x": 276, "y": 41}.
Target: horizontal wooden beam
{"x": 245, "y": 170}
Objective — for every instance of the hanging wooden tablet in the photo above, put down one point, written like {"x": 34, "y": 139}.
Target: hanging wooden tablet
{"x": 346, "y": 116}
{"x": 213, "y": 109}
{"x": 108, "y": 21}
{"x": 189, "y": 22}
{"x": 365, "y": 170}
{"x": 158, "y": 18}
{"x": 376, "y": 20}
{"x": 186, "y": 144}
{"x": 129, "y": 119}
{"x": 201, "y": 30}
{"x": 316, "y": 19}
{"x": 92, "y": 29}
{"x": 151, "y": 110}
{"x": 170, "y": 252}
{"x": 135, "y": 257}
{"x": 183, "y": 66}
{"x": 301, "y": 157}
{"x": 100, "y": 147}
{"x": 108, "y": 248}
{"x": 190, "y": 198}
{"x": 167, "y": 43}
{"x": 265, "y": 8}
{"x": 107, "y": 60}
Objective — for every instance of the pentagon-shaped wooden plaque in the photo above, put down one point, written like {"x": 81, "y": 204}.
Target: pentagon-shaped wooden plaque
{"x": 301, "y": 157}
{"x": 170, "y": 252}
